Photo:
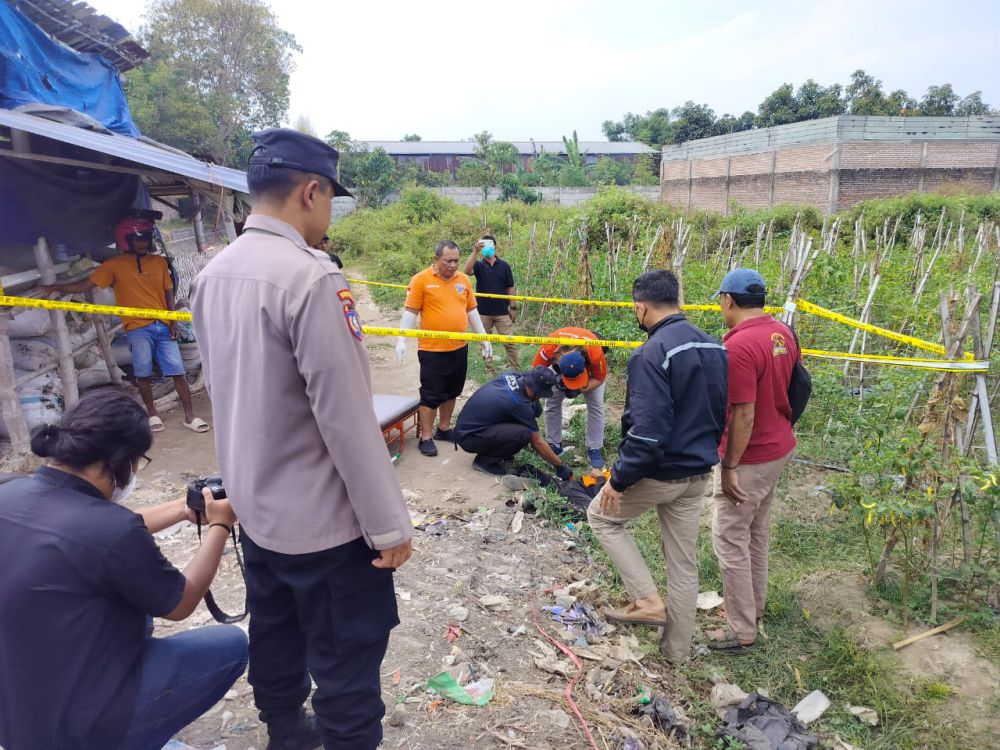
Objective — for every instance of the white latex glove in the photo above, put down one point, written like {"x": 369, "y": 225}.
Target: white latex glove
{"x": 408, "y": 321}
{"x": 487, "y": 350}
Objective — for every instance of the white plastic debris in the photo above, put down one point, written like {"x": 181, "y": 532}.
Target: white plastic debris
{"x": 709, "y": 600}
{"x": 811, "y": 707}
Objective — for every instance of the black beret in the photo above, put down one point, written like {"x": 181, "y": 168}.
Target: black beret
{"x": 282, "y": 147}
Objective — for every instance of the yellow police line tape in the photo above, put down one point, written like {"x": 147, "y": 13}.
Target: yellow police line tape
{"x": 801, "y": 304}
{"x": 942, "y": 365}
{"x": 558, "y": 300}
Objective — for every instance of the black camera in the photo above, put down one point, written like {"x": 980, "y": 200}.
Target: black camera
{"x": 195, "y": 498}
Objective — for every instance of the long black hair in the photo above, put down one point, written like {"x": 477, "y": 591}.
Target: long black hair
{"x": 104, "y": 426}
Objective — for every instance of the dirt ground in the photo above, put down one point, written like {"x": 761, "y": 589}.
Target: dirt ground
{"x": 485, "y": 572}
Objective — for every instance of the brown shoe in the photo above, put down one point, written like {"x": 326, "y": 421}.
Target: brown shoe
{"x": 639, "y": 613}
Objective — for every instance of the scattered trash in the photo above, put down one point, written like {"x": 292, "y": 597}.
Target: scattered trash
{"x": 665, "y": 717}
{"x": 724, "y": 696}
{"x": 763, "y": 724}
{"x": 645, "y": 695}
{"x": 517, "y": 523}
{"x": 627, "y": 649}
{"x": 863, "y": 714}
{"x": 458, "y": 613}
{"x": 571, "y": 527}
{"x": 811, "y": 707}
{"x": 411, "y": 497}
{"x": 459, "y": 684}
{"x": 454, "y": 631}
{"x": 519, "y": 630}
{"x": 709, "y": 600}
{"x": 227, "y": 716}
{"x": 396, "y": 677}
{"x": 177, "y": 745}
{"x": 437, "y": 528}
{"x": 547, "y": 660}
{"x": 496, "y": 602}
{"x": 582, "y": 622}
{"x": 230, "y": 695}
{"x": 403, "y": 595}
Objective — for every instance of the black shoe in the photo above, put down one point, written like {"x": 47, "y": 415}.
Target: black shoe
{"x": 427, "y": 447}
{"x": 305, "y": 736}
{"x": 488, "y": 466}
{"x": 447, "y": 436}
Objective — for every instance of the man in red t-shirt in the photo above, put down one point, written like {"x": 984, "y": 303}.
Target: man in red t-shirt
{"x": 755, "y": 447}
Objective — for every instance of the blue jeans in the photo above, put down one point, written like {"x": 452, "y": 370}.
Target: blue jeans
{"x": 181, "y": 678}
{"x": 154, "y": 339}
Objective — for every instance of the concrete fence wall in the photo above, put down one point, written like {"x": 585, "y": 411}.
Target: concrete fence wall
{"x": 473, "y": 197}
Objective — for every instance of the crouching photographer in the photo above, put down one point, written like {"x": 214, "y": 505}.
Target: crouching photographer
{"x": 79, "y": 667}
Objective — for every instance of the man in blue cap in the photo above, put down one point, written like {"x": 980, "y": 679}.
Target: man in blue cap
{"x": 323, "y": 519}
{"x": 757, "y": 444}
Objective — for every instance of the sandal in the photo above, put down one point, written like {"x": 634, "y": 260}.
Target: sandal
{"x": 725, "y": 641}
{"x": 197, "y": 425}
{"x": 156, "y": 424}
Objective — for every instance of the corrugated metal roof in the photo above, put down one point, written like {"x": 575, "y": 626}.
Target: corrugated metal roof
{"x": 467, "y": 148}
{"x": 79, "y": 26}
{"x": 129, "y": 149}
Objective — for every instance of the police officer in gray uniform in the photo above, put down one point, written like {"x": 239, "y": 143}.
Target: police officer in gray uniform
{"x": 323, "y": 519}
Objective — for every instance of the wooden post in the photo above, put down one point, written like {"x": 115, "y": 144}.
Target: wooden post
{"x": 920, "y": 171}
{"x": 67, "y": 370}
{"x": 690, "y": 181}
{"x": 104, "y": 343}
{"x": 834, "y": 182}
{"x": 774, "y": 167}
{"x": 10, "y": 404}
{"x": 196, "y": 222}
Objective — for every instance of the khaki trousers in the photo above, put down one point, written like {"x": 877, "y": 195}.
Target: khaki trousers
{"x": 678, "y": 504}
{"x": 504, "y": 326}
{"x": 740, "y": 534}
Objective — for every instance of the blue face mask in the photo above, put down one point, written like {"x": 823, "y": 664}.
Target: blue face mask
{"x": 489, "y": 251}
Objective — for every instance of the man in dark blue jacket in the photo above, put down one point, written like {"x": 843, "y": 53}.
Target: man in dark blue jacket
{"x": 675, "y": 413}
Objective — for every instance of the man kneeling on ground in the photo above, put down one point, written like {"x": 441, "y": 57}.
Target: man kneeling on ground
{"x": 501, "y": 418}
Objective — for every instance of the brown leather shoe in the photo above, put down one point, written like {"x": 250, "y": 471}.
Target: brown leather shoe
{"x": 638, "y": 613}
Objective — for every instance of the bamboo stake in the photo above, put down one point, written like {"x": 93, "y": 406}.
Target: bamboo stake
{"x": 927, "y": 633}
{"x": 10, "y": 404}
{"x": 67, "y": 371}
{"x": 104, "y": 342}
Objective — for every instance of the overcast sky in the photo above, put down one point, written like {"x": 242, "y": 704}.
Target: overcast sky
{"x": 446, "y": 69}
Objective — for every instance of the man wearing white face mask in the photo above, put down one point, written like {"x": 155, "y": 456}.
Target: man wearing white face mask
{"x": 83, "y": 575}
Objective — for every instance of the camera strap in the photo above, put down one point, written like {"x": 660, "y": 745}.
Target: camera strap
{"x": 214, "y": 608}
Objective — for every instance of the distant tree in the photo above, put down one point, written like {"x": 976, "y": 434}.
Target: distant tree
{"x": 547, "y": 167}
{"x": 503, "y": 157}
{"x": 973, "y": 104}
{"x": 169, "y": 109}
{"x": 692, "y": 121}
{"x": 778, "y": 108}
{"x": 864, "y": 96}
{"x": 653, "y": 128}
{"x": 411, "y": 137}
{"x": 574, "y": 170}
{"x": 483, "y": 141}
{"x": 899, "y": 103}
{"x": 813, "y": 101}
{"x": 646, "y": 170}
{"x": 374, "y": 177}
{"x": 729, "y": 124}
{"x": 939, "y": 101}
{"x": 339, "y": 139}
{"x": 475, "y": 173}
{"x": 235, "y": 55}
{"x": 511, "y": 188}
{"x": 607, "y": 171}
{"x": 410, "y": 173}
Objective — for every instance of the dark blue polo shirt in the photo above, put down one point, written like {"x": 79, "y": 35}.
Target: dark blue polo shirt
{"x": 79, "y": 575}
{"x": 493, "y": 279}
{"x": 500, "y": 401}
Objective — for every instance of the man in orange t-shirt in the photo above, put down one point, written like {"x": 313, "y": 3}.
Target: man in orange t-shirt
{"x": 584, "y": 370}
{"x": 143, "y": 280}
{"x": 444, "y": 300}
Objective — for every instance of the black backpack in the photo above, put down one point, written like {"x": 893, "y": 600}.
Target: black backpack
{"x": 799, "y": 386}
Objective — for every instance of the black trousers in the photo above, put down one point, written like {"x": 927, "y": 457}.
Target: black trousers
{"x": 497, "y": 441}
{"x": 327, "y": 614}
{"x": 442, "y": 375}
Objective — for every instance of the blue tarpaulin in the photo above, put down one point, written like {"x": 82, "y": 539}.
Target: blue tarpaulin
{"x": 35, "y": 68}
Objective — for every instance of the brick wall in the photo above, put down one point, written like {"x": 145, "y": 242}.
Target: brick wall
{"x": 802, "y": 173}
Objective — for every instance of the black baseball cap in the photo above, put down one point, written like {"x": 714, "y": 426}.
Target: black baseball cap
{"x": 541, "y": 380}
{"x": 283, "y": 147}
